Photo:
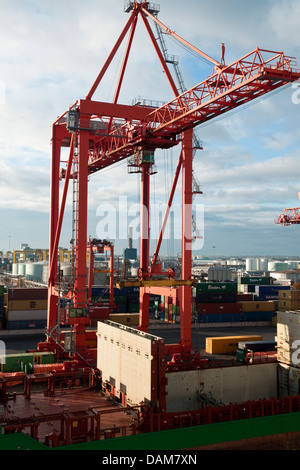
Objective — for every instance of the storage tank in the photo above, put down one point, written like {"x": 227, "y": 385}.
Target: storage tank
{"x": 134, "y": 271}
{"x": 45, "y": 274}
{"x": 251, "y": 264}
{"x": 293, "y": 264}
{"x": 277, "y": 266}
{"x": 66, "y": 268}
{"x": 22, "y": 269}
{"x": 263, "y": 264}
{"x": 15, "y": 269}
{"x": 34, "y": 271}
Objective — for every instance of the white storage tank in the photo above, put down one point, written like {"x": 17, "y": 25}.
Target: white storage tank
{"x": 251, "y": 264}
{"x": 34, "y": 271}
{"x": 22, "y": 269}
{"x": 263, "y": 264}
{"x": 66, "y": 268}
{"x": 277, "y": 266}
{"x": 15, "y": 269}
{"x": 45, "y": 274}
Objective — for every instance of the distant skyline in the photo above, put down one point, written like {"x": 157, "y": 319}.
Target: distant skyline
{"x": 51, "y": 53}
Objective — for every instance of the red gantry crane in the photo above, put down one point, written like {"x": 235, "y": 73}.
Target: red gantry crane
{"x": 100, "y": 134}
{"x": 290, "y": 216}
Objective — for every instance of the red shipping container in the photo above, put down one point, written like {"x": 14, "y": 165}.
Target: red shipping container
{"x": 99, "y": 313}
{"x": 213, "y": 308}
{"x": 28, "y": 294}
{"x": 245, "y": 297}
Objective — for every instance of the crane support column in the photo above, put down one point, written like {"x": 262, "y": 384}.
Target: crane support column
{"x": 186, "y": 271}
{"x": 81, "y": 235}
{"x": 52, "y": 298}
{"x": 144, "y": 244}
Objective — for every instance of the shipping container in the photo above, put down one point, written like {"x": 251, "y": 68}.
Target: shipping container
{"x": 27, "y": 294}
{"x": 13, "y": 362}
{"x": 213, "y": 297}
{"x": 256, "y": 280}
{"x": 26, "y": 315}
{"x": 227, "y": 344}
{"x": 257, "y": 316}
{"x": 263, "y": 306}
{"x": 218, "y": 308}
{"x": 125, "y": 318}
{"x": 27, "y": 305}
{"x": 289, "y": 295}
{"x": 26, "y": 325}
{"x": 258, "y": 346}
{"x": 216, "y": 287}
{"x": 288, "y": 305}
{"x": 270, "y": 288}
{"x": 265, "y": 297}
{"x": 245, "y": 297}
{"x": 219, "y": 318}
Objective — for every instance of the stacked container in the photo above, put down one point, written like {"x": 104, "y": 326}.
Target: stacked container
{"x": 270, "y": 292}
{"x": 216, "y": 302}
{"x": 26, "y": 308}
{"x": 2, "y": 291}
{"x": 257, "y": 310}
{"x": 289, "y": 300}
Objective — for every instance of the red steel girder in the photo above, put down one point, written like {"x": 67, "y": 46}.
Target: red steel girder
{"x": 289, "y": 217}
{"x": 247, "y": 79}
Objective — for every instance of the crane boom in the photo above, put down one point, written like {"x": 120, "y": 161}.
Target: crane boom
{"x": 247, "y": 79}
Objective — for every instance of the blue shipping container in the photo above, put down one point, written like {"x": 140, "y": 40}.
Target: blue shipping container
{"x": 257, "y": 316}
{"x": 272, "y": 289}
{"x": 26, "y": 325}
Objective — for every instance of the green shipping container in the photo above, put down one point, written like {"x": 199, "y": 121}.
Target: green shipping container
{"x": 176, "y": 310}
{"x": 257, "y": 280}
{"x": 216, "y": 287}
{"x": 134, "y": 308}
{"x": 20, "y": 362}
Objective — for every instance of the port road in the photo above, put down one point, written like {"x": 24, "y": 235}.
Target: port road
{"x": 16, "y": 343}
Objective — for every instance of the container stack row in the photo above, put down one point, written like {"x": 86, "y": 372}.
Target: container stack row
{"x": 127, "y": 299}
{"x": 252, "y": 299}
{"x": 2, "y": 291}
{"x": 223, "y": 302}
{"x": 25, "y": 308}
{"x": 289, "y": 300}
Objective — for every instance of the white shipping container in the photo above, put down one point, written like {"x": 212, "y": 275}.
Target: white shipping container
{"x": 26, "y": 315}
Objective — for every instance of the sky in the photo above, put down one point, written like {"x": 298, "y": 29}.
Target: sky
{"x": 50, "y": 55}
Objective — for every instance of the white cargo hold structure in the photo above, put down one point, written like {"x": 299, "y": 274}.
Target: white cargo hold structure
{"x": 195, "y": 389}
{"x": 288, "y": 337}
{"x": 288, "y": 380}
{"x": 130, "y": 361}
{"x": 133, "y": 363}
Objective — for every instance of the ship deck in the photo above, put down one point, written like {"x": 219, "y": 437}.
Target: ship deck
{"x": 70, "y": 416}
